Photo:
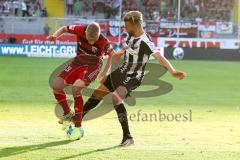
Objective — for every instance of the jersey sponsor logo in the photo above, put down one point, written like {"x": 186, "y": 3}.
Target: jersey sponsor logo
{"x": 82, "y": 51}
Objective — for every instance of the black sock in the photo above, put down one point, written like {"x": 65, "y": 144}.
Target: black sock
{"x": 91, "y": 103}
{"x": 122, "y": 117}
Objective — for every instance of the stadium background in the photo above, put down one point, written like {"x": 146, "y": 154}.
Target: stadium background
{"x": 205, "y": 24}
{"x": 207, "y": 30}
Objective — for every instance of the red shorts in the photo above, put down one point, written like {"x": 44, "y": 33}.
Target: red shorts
{"x": 76, "y": 71}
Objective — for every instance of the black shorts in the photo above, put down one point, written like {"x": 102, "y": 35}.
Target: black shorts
{"x": 117, "y": 78}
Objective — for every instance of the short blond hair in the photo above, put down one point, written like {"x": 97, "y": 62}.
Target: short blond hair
{"x": 134, "y": 17}
{"x": 93, "y": 30}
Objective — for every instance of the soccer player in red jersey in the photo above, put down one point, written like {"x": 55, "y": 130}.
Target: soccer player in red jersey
{"x": 85, "y": 67}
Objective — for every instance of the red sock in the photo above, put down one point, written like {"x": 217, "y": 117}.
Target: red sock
{"x": 61, "y": 99}
{"x": 78, "y": 107}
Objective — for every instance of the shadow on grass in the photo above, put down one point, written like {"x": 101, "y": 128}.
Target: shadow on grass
{"x": 10, "y": 151}
{"x": 89, "y": 152}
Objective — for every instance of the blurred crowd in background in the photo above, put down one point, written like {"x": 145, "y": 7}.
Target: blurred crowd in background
{"x": 23, "y": 8}
{"x": 198, "y": 18}
{"x": 194, "y": 10}
{"x": 157, "y": 10}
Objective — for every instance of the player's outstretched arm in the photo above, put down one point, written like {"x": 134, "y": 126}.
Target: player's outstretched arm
{"x": 108, "y": 65}
{"x": 57, "y": 34}
{"x": 165, "y": 63}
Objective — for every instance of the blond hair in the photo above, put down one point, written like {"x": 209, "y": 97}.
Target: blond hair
{"x": 134, "y": 17}
{"x": 93, "y": 30}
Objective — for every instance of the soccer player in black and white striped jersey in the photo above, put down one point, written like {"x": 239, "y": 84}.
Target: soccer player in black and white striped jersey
{"x": 136, "y": 50}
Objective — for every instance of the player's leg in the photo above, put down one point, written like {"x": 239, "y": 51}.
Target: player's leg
{"x": 117, "y": 98}
{"x": 67, "y": 77}
{"x": 77, "y": 132}
{"x": 96, "y": 98}
{"x": 108, "y": 85}
{"x": 59, "y": 94}
{"x": 78, "y": 101}
{"x": 85, "y": 75}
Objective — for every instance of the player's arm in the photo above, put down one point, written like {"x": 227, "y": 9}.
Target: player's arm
{"x": 107, "y": 65}
{"x": 165, "y": 63}
{"x": 117, "y": 57}
{"x": 113, "y": 57}
{"x": 73, "y": 29}
{"x": 58, "y": 33}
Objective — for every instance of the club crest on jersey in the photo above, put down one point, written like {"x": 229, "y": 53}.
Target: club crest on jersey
{"x": 94, "y": 49}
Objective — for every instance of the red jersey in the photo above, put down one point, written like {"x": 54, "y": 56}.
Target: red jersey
{"x": 87, "y": 53}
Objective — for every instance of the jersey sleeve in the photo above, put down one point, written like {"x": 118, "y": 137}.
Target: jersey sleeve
{"x": 148, "y": 48}
{"x": 76, "y": 29}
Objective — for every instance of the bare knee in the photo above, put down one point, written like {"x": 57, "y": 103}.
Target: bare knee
{"x": 77, "y": 87}
{"x": 58, "y": 85}
{"x": 76, "y": 91}
{"x": 116, "y": 100}
{"x": 119, "y": 94}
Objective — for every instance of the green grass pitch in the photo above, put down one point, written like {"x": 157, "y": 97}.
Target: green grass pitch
{"x": 29, "y": 129}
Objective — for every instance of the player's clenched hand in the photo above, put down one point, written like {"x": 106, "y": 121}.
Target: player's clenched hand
{"x": 51, "y": 38}
{"x": 122, "y": 51}
{"x": 179, "y": 74}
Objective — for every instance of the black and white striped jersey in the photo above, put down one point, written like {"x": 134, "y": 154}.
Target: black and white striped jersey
{"x": 138, "y": 51}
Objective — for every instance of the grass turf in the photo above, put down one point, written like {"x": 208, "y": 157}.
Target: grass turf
{"x": 28, "y": 128}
